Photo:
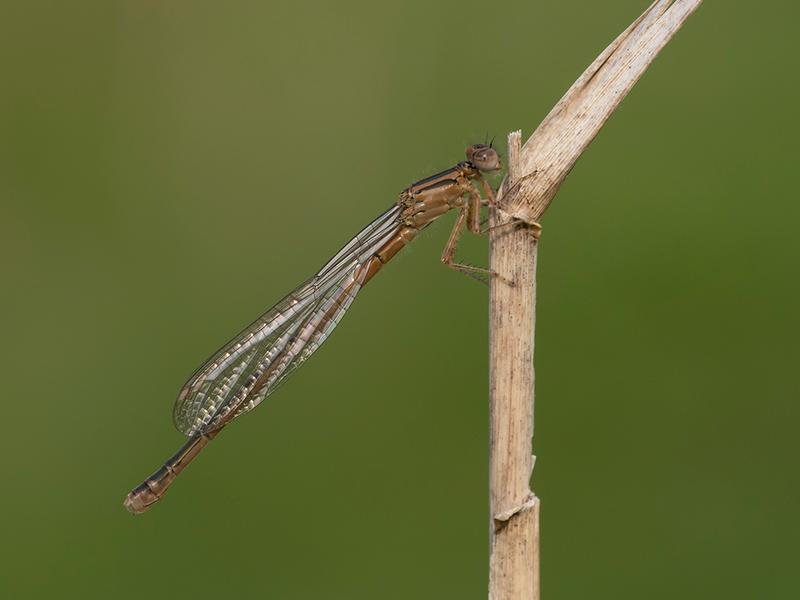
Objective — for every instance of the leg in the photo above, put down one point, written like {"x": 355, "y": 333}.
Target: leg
{"x": 487, "y": 189}
{"x": 536, "y": 229}
{"x": 449, "y": 252}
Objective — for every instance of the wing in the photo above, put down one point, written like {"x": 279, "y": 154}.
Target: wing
{"x": 252, "y": 365}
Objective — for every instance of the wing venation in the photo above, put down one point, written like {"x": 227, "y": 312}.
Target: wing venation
{"x": 252, "y": 365}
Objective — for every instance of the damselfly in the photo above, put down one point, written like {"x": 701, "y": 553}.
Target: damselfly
{"x": 250, "y": 367}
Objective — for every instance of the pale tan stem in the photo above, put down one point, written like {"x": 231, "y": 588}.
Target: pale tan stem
{"x": 536, "y": 171}
{"x": 514, "y": 562}
{"x": 550, "y": 153}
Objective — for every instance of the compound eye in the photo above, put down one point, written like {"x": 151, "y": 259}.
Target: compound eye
{"x": 483, "y": 157}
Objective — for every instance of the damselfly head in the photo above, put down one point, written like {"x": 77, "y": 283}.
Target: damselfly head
{"x": 484, "y": 158}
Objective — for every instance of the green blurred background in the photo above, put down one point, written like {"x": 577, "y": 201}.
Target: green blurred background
{"x": 168, "y": 170}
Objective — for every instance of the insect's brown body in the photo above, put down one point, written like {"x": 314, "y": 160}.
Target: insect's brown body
{"x": 425, "y": 201}
{"x": 419, "y": 205}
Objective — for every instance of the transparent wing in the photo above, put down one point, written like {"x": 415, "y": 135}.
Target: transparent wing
{"x": 303, "y": 342}
{"x": 251, "y": 366}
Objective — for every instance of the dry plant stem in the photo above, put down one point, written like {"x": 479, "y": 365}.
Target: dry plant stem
{"x": 550, "y": 153}
{"x": 536, "y": 171}
{"x": 514, "y": 563}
